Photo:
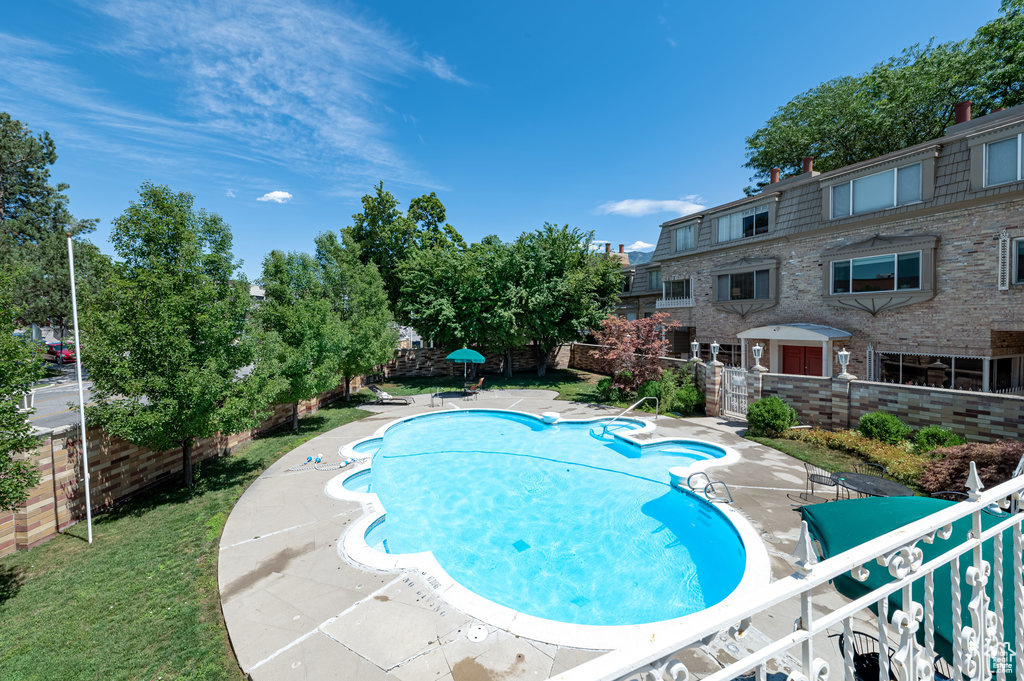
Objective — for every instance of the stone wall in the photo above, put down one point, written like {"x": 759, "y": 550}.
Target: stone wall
{"x": 811, "y": 396}
{"x": 585, "y": 357}
{"x": 118, "y": 471}
{"x": 419, "y": 362}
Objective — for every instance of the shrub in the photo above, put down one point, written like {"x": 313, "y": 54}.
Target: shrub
{"x": 624, "y": 379}
{"x": 770, "y": 416}
{"x": 996, "y": 462}
{"x": 653, "y": 389}
{"x": 606, "y": 390}
{"x": 930, "y": 437}
{"x": 900, "y": 461}
{"x": 686, "y": 399}
{"x": 878, "y": 425}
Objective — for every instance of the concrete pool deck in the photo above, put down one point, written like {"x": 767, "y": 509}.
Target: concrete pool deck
{"x": 296, "y": 608}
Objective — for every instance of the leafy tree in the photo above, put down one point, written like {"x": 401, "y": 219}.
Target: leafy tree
{"x": 568, "y": 289}
{"x": 172, "y": 352}
{"x": 360, "y": 303}
{"x": 386, "y": 236}
{"x": 633, "y": 348}
{"x": 19, "y": 368}
{"x": 311, "y": 339}
{"x": 902, "y": 101}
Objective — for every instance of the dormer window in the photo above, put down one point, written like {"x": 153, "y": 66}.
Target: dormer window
{"x": 1004, "y": 161}
{"x": 684, "y": 238}
{"x": 654, "y": 280}
{"x": 743, "y": 224}
{"x": 887, "y": 189}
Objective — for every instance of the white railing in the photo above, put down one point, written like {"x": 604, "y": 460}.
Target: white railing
{"x": 662, "y": 303}
{"x": 977, "y": 644}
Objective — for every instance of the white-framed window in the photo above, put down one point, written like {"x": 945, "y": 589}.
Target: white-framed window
{"x": 684, "y": 238}
{"x": 887, "y": 189}
{"x": 889, "y": 272}
{"x": 680, "y": 288}
{"x": 743, "y": 286}
{"x": 1004, "y": 161}
{"x": 1018, "y": 261}
{"x": 654, "y": 280}
{"x": 743, "y": 224}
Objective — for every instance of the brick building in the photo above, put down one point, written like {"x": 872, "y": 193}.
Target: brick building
{"x": 913, "y": 261}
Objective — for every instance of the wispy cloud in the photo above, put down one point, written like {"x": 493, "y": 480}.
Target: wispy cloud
{"x": 635, "y": 208}
{"x": 277, "y": 196}
{"x": 230, "y": 193}
{"x": 640, "y": 246}
{"x": 442, "y": 69}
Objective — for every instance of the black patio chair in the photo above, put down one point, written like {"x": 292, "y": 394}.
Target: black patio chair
{"x": 866, "y": 665}
{"x": 819, "y": 476}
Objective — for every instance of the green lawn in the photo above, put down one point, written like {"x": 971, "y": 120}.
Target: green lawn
{"x": 142, "y": 601}
{"x": 571, "y": 384}
{"x": 831, "y": 460}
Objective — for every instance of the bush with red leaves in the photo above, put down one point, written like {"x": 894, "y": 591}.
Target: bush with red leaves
{"x": 996, "y": 462}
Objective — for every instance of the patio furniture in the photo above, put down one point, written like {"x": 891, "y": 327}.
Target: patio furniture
{"x": 865, "y": 655}
{"x": 386, "y": 398}
{"x": 872, "y": 485}
{"x": 818, "y": 476}
{"x": 473, "y": 388}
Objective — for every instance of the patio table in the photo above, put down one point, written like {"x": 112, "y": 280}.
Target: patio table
{"x": 872, "y": 485}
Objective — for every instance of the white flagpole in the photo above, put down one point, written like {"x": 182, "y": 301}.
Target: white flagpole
{"x": 81, "y": 391}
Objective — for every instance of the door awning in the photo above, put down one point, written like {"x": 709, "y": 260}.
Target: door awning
{"x": 795, "y": 332}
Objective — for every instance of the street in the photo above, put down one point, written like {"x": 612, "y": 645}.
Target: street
{"x": 56, "y": 400}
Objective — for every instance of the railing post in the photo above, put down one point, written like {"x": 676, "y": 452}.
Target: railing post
{"x": 713, "y": 389}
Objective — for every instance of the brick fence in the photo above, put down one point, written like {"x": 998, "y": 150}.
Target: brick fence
{"x": 586, "y": 357}
{"x": 417, "y": 362}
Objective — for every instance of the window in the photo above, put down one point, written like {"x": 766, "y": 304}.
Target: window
{"x": 1004, "y": 161}
{"x": 742, "y": 224}
{"x": 684, "y": 238}
{"x": 887, "y": 189}
{"x": 627, "y": 279}
{"x": 939, "y": 371}
{"x": 1018, "y": 261}
{"x": 677, "y": 289}
{"x": 743, "y": 286}
{"x": 654, "y": 279}
{"x": 890, "y": 272}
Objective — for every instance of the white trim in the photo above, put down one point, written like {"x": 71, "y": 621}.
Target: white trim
{"x": 1005, "y": 273}
{"x": 1020, "y": 143}
{"x": 794, "y": 332}
{"x": 895, "y": 269}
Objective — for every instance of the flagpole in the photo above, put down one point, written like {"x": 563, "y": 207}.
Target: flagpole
{"x": 81, "y": 390}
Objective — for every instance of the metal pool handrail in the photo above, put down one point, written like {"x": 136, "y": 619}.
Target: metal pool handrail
{"x": 657, "y": 406}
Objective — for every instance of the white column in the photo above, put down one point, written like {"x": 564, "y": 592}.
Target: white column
{"x": 826, "y": 358}
{"x": 986, "y": 372}
{"x": 743, "y": 353}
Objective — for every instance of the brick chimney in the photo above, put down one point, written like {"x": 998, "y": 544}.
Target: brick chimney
{"x": 808, "y": 164}
{"x": 774, "y": 176}
{"x": 607, "y": 249}
{"x": 622, "y": 248}
{"x": 962, "y": 112}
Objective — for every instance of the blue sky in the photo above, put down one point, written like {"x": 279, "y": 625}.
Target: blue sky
{"x": 609, "y": 116}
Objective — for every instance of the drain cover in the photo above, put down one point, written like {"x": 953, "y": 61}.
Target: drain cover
{"x": 477, "y": 633}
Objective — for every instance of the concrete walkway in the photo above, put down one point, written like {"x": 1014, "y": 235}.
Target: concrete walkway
{"x": 296, "y": 608}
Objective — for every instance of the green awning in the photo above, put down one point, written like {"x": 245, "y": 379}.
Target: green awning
{"x": 466, "y": 356}
{"x": 842, "y": 525}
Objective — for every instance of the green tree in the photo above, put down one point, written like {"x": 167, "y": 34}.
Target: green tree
{"x": 568, "y": 289}
{"x": 902, "y": 101}
{"x": 386, "y": 236}
{"x": 359, "y": 301}
{"x": 19, "y": 368}
{"x": 310, "y": 338}
{"x": 172, "y": 353}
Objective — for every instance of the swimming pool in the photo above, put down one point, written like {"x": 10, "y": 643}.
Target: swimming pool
{"x": 559, "y": 522}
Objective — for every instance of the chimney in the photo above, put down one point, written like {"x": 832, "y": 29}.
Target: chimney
{"x": 622, "y": 248}
{"x": 962, "y": 112}
{"x": 775, "y": 176}
{"x": 607, "y": 249}
{"x": 808, "y": 164}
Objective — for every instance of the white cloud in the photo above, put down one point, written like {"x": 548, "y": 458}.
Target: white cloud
{"x": 597, "y": 244}
{"x": 277, "y": 196}
{"x": 640, "y": 246}
{"x": 635, "y": 208}
{"x": 442, "y": 69}
{"x": 230, "y": 193}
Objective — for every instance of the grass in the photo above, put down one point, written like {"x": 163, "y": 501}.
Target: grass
{"x": 141, "y": 602}
{"x": 831, "y": 460}
{"x": 571, "y": 384}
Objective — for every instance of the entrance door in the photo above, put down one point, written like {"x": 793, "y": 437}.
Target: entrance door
{"x": 801, "y": 360}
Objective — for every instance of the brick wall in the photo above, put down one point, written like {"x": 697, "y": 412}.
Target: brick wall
{"x": 811, "y": 396}
{"x": 412, "y": 363}
{"x": 118, "y": 470}
{"x": 586, "y": 357}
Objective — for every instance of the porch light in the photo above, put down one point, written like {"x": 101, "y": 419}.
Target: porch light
{"x": 695, "y": 349}
{"x": 715, "y": 347}
{"x": 844, "y": 358}
{"x": 758, "y": 351}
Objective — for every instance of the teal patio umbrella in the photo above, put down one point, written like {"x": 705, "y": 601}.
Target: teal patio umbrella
{"x": 465, "y": 356}
{"x": 842, "y": 525}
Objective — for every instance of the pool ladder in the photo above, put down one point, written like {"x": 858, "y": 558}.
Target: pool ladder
{"x": 714, "y": 491}
{"x": 657, "y": 406}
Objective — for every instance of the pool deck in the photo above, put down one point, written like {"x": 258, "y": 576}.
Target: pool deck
{"x": 297, "y": 608}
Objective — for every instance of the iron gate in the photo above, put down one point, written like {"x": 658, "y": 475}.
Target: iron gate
{"x": 734, "y": 389}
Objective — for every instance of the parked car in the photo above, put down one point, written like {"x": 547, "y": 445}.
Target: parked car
{"x": 60, "y": 355}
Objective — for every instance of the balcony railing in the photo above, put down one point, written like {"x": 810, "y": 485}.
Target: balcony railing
{"x": 907, "y": 633}
{"x": 673, "y": 302}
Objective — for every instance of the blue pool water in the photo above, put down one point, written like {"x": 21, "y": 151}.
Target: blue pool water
{"x": 555, "y": 521}
{"x": 360, "y": 482}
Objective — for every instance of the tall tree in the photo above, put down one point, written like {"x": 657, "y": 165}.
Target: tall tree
{"x": 568, "y": 288}
{"x": 386, "y": 236}
{"x": 20, "y": 366}
{"x": 359, "y": 301}
{"x": 172, "y": 353}
{"x": 902, "y": 101}
{"x": 310, "y": 338}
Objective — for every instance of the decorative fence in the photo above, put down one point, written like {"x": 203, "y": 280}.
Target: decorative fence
{"x": 907, "y": 633}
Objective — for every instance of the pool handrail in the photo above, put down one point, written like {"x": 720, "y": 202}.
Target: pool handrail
{"x": 657, "y": 406}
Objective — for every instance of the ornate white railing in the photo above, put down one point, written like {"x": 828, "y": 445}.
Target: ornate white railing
{"x": 978, "y": 651}
{"x": 662, "y": 303}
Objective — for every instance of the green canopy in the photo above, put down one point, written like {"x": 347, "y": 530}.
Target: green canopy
{"x": 466, "y": 356}
{"x": 842, "y": 525}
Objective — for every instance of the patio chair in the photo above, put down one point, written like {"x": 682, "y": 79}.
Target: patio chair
{"x": 865, "y": 655}
{"x": 868, "y": 469}
{"x": 819, "y": 476}
{"x": 386, "y": 398}
{"x": 475, "y": 388}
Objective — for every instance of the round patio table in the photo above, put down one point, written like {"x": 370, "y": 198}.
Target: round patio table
{"x": 872, "y": 485}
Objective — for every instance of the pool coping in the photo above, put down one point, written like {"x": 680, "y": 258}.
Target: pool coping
{"x": 352, "y": 547}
